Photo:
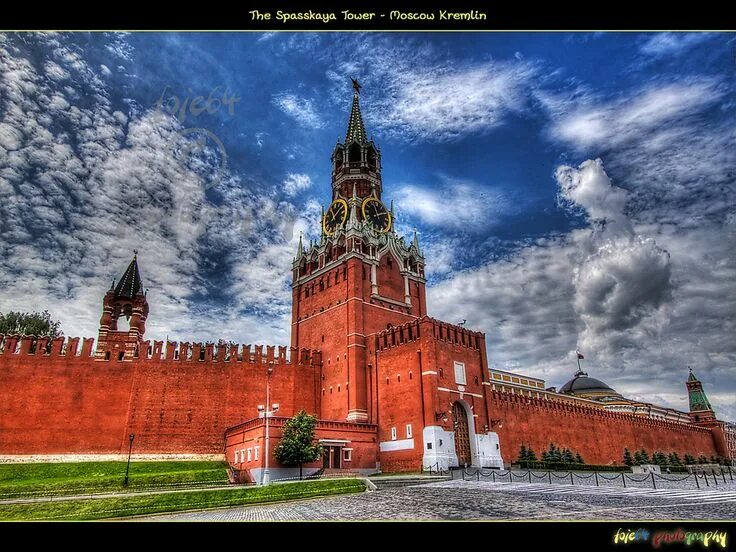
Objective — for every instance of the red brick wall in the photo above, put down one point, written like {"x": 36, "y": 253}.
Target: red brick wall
{"x": 75, "y": 404}
{"x": 599, "y": 436}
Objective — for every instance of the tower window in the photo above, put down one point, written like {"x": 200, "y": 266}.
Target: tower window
{"x": 389, "y": 262}
{"x": 354, "y": 154}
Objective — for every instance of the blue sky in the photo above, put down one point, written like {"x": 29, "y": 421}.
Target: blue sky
{"x": 571, "y": 190}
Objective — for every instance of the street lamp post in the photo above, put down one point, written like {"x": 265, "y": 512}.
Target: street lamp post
{"x": 127, "y": 467}
{"x": 267, "y": 413}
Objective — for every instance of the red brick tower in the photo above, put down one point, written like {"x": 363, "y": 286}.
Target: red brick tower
{"x": 128, "y": 300}
{"x": 358, "y": 280}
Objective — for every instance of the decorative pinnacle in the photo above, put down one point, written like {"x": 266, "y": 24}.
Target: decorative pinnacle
{"x": 356, "y": 85}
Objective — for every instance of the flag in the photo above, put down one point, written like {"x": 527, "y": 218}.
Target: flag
{"x": 580, "y": 355}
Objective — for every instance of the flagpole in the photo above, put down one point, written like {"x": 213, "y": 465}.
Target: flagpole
{"x": 577, "y": 356}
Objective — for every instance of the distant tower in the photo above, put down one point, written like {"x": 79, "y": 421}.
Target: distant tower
{"x": 700, "y": 408}
{"x": 126, "y": 299}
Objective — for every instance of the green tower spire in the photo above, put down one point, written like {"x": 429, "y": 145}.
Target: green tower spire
{"x": 356, "y": 128}
{"x": 700, "y": 408}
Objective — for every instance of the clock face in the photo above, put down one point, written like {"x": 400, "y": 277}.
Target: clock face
{"x": 376, "y": 213}
{"x": 335, "y": 216}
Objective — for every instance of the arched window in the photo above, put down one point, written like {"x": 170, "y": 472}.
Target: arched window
{"x": 372, "y": 157}
{"x": 354, "y": 153}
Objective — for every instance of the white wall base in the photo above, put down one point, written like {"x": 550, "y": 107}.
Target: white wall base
{"x": 442, "y": 455}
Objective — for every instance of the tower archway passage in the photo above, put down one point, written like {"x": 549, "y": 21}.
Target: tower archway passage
{"x": 462, "y": 435}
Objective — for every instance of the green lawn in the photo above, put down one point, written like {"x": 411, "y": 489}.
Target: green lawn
{"x": 21, "y": 480}
{"x": 101, "y": 508}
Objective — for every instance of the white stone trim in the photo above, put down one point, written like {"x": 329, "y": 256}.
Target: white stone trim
{"x": 401, "y": 444}
{"x": 476, "y": 395}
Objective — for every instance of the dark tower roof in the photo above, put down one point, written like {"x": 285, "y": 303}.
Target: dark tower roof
{"x": 581, "y": 383}
{"x": 356, "y": 128}
{"x": 130, "y": 284}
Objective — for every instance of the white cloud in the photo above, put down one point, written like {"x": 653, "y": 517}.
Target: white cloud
{"x": 671, "y": 44}
{"x": 295, "y": 183}
{"x": 301, "y": 109}
{"x": 444, "y": 102}
{"x": 458, "y": 204}
{"x": 642, "y": 116}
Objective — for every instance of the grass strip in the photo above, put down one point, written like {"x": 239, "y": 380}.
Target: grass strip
{"x": 105, "y": 508}
{"x": 20, "y": 480}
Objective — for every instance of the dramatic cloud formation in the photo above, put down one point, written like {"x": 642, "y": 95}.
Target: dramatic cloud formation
{"x": 82, "y": 186}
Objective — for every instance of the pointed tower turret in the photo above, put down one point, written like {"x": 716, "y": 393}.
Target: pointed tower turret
{"x": 357, "y": 161}
{"x": 700, "y": 408}
{"x": 356, "y": 128}
{"x": 127, "y": 301}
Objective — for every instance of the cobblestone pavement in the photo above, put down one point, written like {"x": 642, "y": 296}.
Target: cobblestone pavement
{"x": 472, "y": 500}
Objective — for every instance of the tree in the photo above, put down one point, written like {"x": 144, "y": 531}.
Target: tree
{"x": 297, "y": 447}
{"x": 628, "y": 460}
{"x": 644, "y": 457}
{"x": 37, "y": 324}
{"x": 578, "y": 458}
{"x": 554, "y": 454}
{"x": 637, "y": 458}
{"x": 531, "y": 455}
{"x": 689, "y": 459}
{"x": 659, "y": 458}
{"x": 674, "y": 459}
{"x": 523, "y": 454}
{"x": 702, "y": 459}
{"x": 567, "y": 456}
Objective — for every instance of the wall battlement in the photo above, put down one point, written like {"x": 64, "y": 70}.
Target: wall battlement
{"x": 573, "y": 410}
{"x": 428, "y": 326}
{"x": 69, "y": 348}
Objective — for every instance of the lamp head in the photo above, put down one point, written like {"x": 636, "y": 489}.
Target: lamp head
{"x": 261, "y": 408}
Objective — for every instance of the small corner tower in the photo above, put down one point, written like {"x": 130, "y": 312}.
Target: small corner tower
{"x": 126, "y": 300}
{"x": 700, "y": 408}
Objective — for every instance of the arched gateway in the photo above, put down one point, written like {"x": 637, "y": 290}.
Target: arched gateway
{"x": 462, "y": 435}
